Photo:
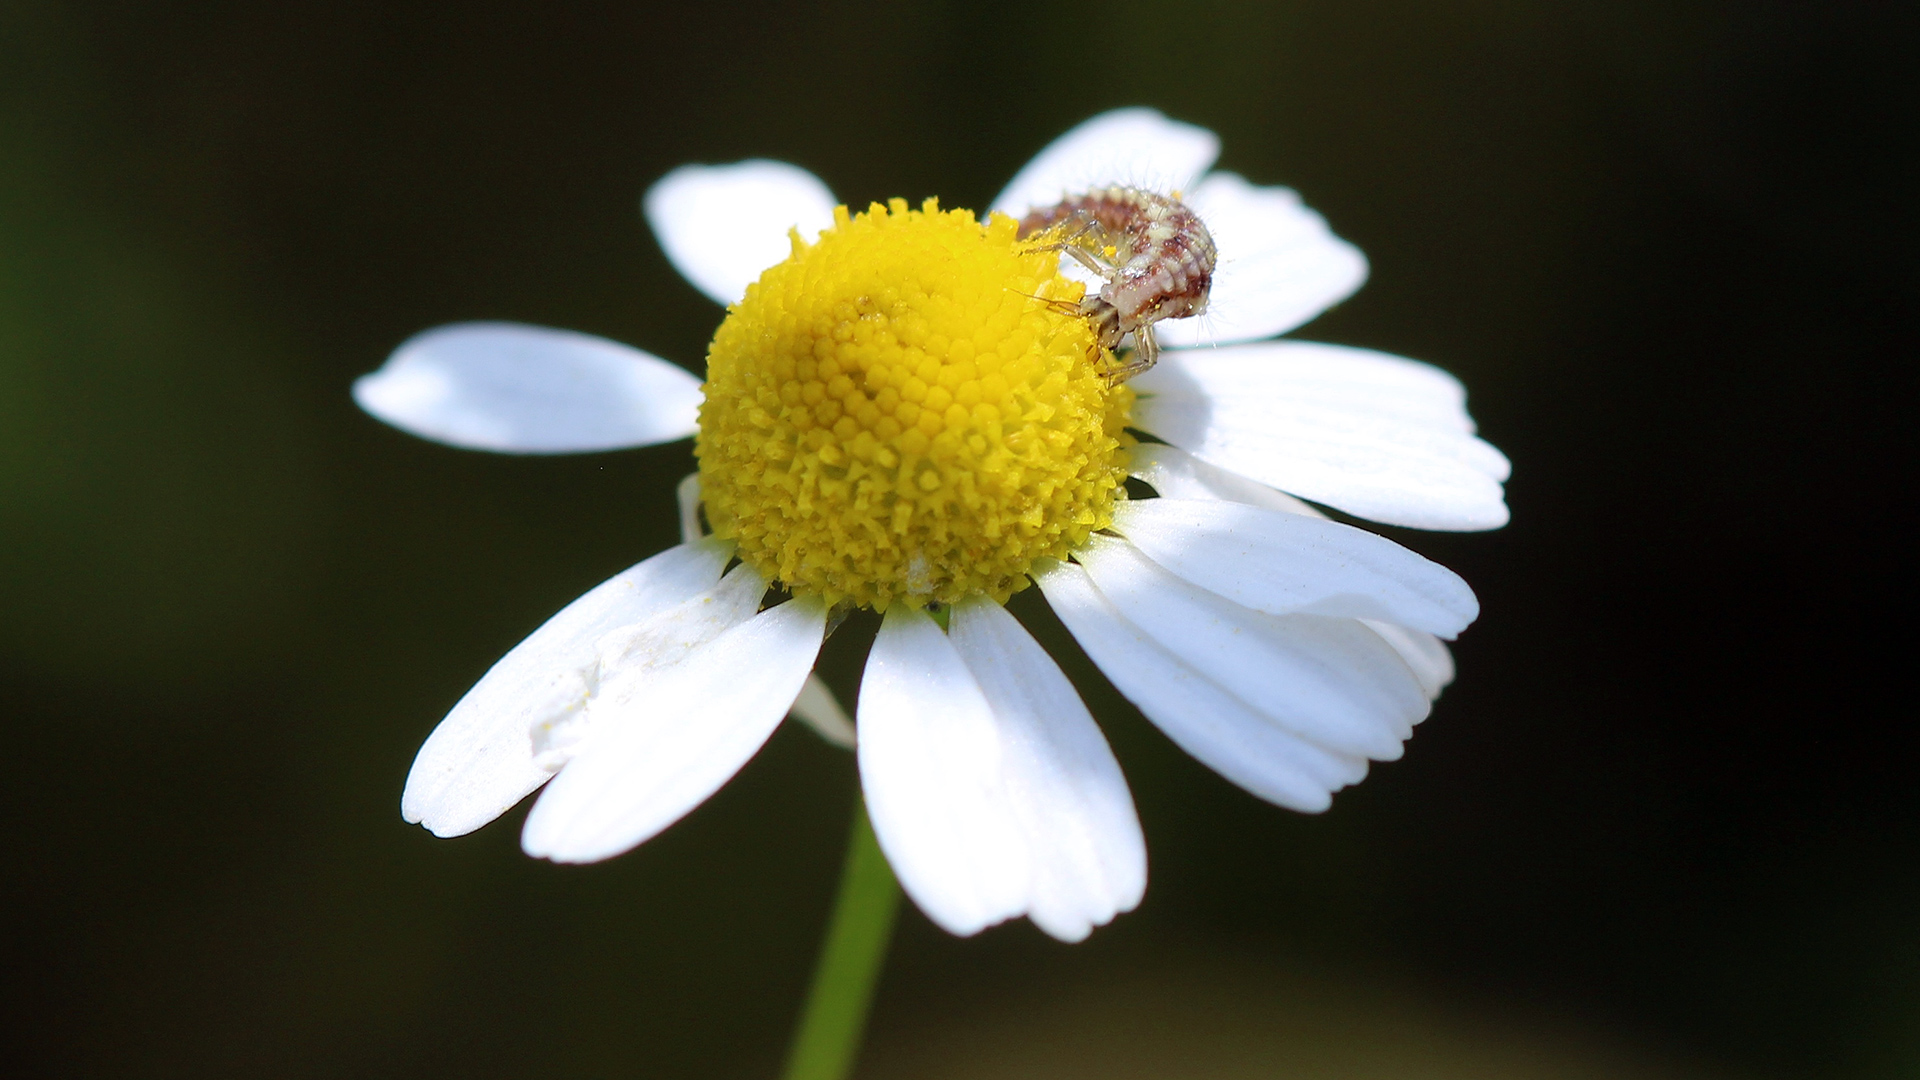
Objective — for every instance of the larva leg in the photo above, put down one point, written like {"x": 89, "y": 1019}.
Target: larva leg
{"x": 1085, "y": 258}
{"x": 1072, "y": 248}
{"x": 1146, "y": 353}
{"x": 1062, "y": 307}
{"x": 1062, "y": 237}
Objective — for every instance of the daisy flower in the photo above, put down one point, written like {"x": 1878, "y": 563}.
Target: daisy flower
{"x": 899, "y": 416}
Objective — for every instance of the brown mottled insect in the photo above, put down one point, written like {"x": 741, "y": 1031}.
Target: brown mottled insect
{"x": 1152, "y": 251}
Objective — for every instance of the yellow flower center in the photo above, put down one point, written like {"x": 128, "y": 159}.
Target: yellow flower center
{"x": 905, "y": 410}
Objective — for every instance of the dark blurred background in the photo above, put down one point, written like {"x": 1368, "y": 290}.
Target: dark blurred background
{"x": 1665, "y": 823}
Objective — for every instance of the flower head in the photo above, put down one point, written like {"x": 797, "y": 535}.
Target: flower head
{"x": 904, "y": 412}
{"x": 895, "y": 415}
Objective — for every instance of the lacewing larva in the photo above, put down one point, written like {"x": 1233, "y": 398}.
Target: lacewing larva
{"x": 1153, "y": 254}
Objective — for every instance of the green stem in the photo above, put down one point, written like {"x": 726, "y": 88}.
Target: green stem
{"x": 828, "y": 1040}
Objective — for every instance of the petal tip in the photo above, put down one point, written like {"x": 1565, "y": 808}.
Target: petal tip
{"x": 722, "y": 225}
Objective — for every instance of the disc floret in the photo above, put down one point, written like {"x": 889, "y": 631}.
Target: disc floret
{"x": 901, "y": 412}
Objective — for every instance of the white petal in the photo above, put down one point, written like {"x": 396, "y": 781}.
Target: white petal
{"x": 931, "y": 765}
{"x": 1284, "y": 563}
{"x": 639, "y": 650}
{"x": 817, "y": 708}
{"x": 1136, "y": 147}
{"x": 479, "y": 761}
{"x": 1279, "y": 264}
{"x": 632, "y": 654}
{"x": 1213, "y": 725}
{"x": 521, "y": 389}
{"x": 1377, "y": 436}
{"x": 694, "y": 726}
{"x": 1089, "y": 861}
{"x": 687, "y": 494}
{"x": 1368, "y": 433}
{"x": 723, "y": 225}
{"x": 1425, "y": 654}
{"x": 1331, "y": 681}
{"x": 1176, "y": 474}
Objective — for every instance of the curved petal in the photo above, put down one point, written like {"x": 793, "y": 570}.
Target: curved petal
{"x": 1330, "y": 681}
{"x": 1377, "y": 436}
{"x": 1279, "y": 264}
{"x": 931, "y": 765}
{"x": 1089, "y": 860}
{"x": 722, "y": 225}
{"x": 817, "y": 708}
{"x": 521, "y": 389}
{"x": 687, "y": 495}
{"x": 1176, "y": 474}
{"x": 1285, "y": 563}
{"x": 678, "y": 737}
{"x": 1137, "y": 147}
{"x": 1425, "y": 655}
{"x": 1213, "y": 725}
{"x": 480, "y": 761}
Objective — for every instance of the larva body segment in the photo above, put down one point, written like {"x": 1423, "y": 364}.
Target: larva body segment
{"x": 1153, "y": 252}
